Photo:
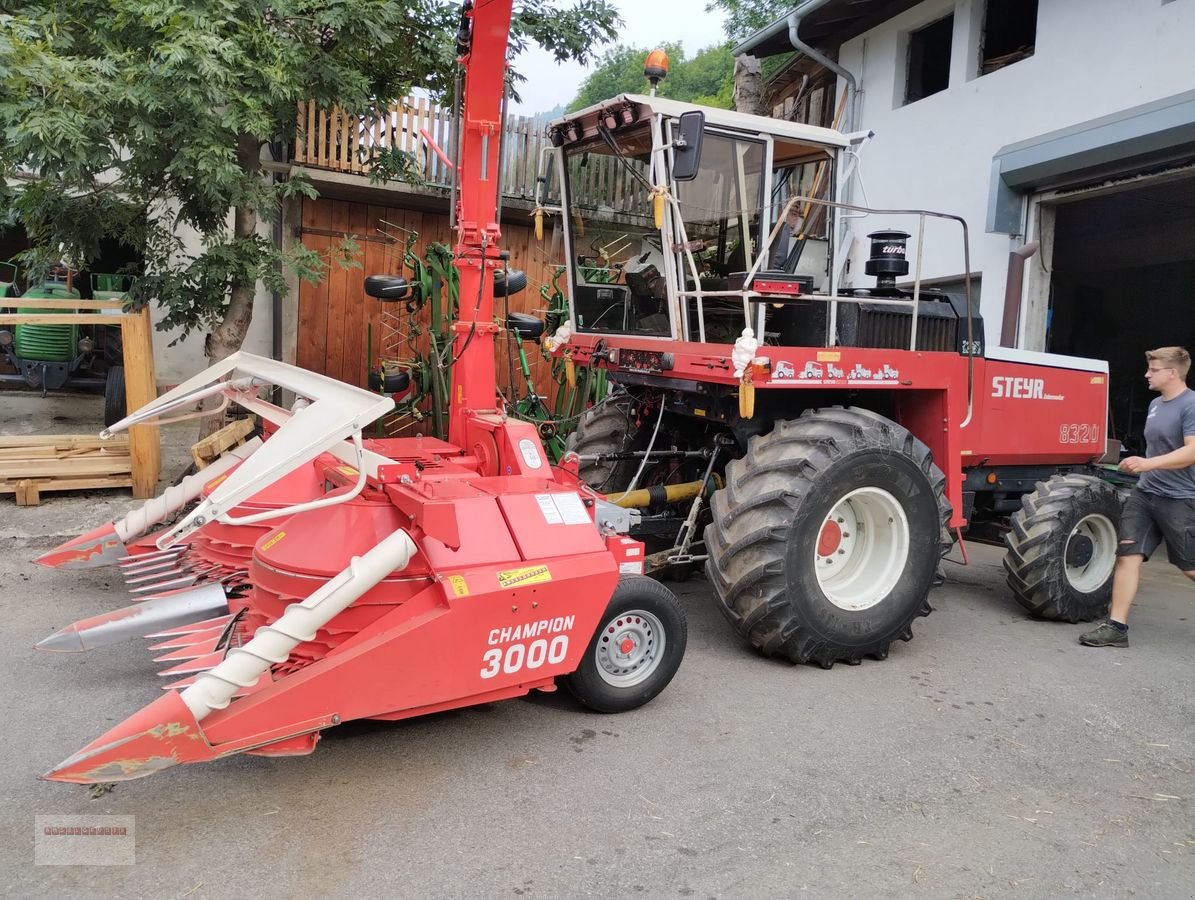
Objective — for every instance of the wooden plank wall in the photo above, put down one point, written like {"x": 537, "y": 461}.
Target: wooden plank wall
{"x": 334, "y": 315}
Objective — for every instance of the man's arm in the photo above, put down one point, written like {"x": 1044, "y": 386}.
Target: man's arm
{"x": 1176, "y": 459}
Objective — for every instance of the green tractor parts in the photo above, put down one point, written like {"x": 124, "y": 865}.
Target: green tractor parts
{"x": 52, "y": 356}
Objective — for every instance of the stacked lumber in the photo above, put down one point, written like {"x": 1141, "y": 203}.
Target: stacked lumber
{"x": 30, "y": 464}
{"x": 206, "y": 451}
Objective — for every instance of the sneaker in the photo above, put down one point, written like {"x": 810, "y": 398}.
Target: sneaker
{"x": 1105, "y": 635}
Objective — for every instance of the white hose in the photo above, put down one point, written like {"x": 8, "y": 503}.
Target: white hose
{"x": 650, "y": 446}
{"x": 175, "y": 497}
{"x": 272, "y": 644}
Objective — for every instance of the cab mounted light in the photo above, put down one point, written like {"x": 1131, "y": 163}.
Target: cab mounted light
{"x": 655, "y": 68}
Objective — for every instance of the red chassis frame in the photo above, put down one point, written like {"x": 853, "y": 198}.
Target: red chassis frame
{"x": 1022, "y": 413}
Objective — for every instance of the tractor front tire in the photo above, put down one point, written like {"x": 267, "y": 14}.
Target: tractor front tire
{"x": 605, "y": 428}
{"x": 636, "y": 649}
{"x": 1062, "y": 548}
{"x": 828, "y": 536}
{"x": 115, "y": 404}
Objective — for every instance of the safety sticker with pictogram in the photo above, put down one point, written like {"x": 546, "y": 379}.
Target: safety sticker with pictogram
{"x": 528, "y": 575}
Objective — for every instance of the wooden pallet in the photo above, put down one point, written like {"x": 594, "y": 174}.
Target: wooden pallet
{"x": 31, "y": 464}
{"x": 206, "y": 451}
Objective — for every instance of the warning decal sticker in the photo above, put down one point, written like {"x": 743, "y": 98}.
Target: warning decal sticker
{"x": 528, "y": 575}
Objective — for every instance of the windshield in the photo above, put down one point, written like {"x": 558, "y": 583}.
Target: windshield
{"x": 615, "y": 252}
{"x": 722, "y": 214}
{"x": 802, "y": 246}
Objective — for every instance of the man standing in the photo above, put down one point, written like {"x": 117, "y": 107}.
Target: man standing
{"x": 1163, "y": 503}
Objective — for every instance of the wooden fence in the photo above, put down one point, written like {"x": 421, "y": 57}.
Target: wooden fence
{"x": 339, "y": 142}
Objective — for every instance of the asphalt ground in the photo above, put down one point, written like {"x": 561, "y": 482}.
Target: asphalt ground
{"x": 992, "y": 756}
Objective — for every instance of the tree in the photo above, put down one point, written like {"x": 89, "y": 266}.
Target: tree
{"x": 745, "y": 17}
{"x": 707, "y": 78}
{"x": 140, "y": 119}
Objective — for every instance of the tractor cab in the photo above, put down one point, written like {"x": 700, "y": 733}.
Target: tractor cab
{"x": 668, "y": 207}
{"x": 687, "y": 223}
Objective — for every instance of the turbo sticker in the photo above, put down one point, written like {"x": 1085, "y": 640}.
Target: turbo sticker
{"x": 529, "y": 575}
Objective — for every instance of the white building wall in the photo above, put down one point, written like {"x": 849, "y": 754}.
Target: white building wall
{"x": 1092, "y": 58}
{"x": 173, "y": 365}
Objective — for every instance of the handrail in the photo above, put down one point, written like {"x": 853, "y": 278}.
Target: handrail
{"x": 834, "y": 299}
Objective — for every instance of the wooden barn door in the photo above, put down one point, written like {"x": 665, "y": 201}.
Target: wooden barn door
{"x": 335, "y": 315}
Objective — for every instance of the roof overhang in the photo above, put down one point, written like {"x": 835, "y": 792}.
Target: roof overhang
{"x": 825, "y": 24}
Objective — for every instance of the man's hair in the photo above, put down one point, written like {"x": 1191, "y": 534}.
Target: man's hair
{"x": 1176, "y": 358}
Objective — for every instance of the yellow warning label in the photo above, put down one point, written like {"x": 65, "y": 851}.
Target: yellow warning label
{"x": 215, "y": 481}
{"x": 1097, "y": 379}
{"x": 518, "y": 577}
{"x": 347, "y": 470}
{"x": 272, "y": 541}
{"x": 459, "y": 586}
{"x": 829, "y": 356}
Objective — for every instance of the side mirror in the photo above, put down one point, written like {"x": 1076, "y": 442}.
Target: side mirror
{"x": 386, "y": 288}
{"x": 686, "y": 145}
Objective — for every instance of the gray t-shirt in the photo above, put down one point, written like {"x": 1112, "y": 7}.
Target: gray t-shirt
{"x": 1168, "y": 422}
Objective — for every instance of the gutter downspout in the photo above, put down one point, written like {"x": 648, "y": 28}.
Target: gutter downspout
{"x": 794, "y": 38}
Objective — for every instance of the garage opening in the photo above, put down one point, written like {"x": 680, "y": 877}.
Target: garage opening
{"x": 1122, "y": 281}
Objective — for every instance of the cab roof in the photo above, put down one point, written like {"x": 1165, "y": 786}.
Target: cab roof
{"x": 725, "y": 118}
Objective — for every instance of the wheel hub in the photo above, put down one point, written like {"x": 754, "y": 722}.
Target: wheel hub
{"x": 830, "y": 538}
{"x": 1079, "y": 550}
{"x": 862, "y": 548}
{"x": 1090, "y": 553}
{"x": 630, "y": 648}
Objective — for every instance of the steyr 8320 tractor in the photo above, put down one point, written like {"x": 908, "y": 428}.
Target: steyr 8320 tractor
{"x": 322, "y": 577}
{"x": 847, "y": 435}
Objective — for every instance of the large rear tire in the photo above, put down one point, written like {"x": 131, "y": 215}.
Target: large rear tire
{"x": 636, "y": 649}
{"x": 828, "y": 536}
{"x": 1062, "y": 548}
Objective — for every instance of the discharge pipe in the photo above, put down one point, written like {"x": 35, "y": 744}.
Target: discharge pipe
{"x": 1012, "y": 292}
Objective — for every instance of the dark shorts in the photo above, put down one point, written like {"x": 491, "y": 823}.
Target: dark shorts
{"x": 1148, "y": 518}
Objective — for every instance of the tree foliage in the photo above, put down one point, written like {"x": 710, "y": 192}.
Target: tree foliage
{"x": 707, "y": 78}
{"x": 745, "y": 17}
{"x": 144, "y": 120}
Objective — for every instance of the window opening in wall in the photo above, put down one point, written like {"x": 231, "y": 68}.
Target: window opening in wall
{"x": 1009, "y": 33}
{"x": 929, "y": 59}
